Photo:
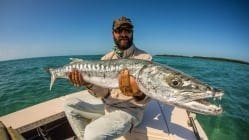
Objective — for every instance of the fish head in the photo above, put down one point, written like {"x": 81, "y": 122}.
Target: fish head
{"x": 176, "y": 88}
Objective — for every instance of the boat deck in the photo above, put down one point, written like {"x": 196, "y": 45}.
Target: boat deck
{"x": 161, "y": 122}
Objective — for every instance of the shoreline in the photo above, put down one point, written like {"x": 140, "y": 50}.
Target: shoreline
{"x": 168, "y": 55}
{"x": 209, "y": 58}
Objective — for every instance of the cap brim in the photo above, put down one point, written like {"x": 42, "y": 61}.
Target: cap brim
{"x": 123, "y": 25}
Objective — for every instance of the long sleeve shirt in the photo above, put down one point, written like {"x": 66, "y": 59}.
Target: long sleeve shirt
{"x": 113, "y": 98}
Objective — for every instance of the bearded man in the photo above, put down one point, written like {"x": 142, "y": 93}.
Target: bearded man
{"x": 109, "y": 113}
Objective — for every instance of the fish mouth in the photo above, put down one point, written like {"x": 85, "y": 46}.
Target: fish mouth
{"x": 206, "y": 106}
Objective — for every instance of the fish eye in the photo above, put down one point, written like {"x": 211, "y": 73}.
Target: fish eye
{"x": 174, "y": 81}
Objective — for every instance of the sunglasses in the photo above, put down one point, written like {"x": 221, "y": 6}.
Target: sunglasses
{"x": 121, "y": 30}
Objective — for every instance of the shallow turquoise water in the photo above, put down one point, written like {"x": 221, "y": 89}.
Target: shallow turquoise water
{"x": 24, "y": 83}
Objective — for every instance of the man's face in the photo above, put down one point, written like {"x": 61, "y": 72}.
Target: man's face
{"x": 123, "y": 37}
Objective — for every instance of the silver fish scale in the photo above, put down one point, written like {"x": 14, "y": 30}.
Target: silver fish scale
{"x": 93, "y": 71}
{"x": 155, "y": 80}
{"x": 109, "y": 69}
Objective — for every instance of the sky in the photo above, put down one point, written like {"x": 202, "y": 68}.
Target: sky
{"x": 39, "y": 28}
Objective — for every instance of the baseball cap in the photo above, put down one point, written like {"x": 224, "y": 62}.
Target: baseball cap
{"x": 121, "y": 21}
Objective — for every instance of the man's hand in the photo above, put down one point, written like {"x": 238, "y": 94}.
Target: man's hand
{"x": 76, "y": 78}
{"x": 127, "y": 84}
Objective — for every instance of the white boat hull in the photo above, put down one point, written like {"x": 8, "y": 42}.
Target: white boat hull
{"x": 161, "y": 122}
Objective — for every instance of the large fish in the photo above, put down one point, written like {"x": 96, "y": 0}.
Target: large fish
{"x": 159, "y": 82}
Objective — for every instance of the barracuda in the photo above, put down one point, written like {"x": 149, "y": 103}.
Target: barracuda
{"x": 160, "y": 82}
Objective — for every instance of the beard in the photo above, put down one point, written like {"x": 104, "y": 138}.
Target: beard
{"x": 123, "y": 43}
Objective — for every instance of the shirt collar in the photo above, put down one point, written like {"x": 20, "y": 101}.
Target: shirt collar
{"x": 126, "y": 53}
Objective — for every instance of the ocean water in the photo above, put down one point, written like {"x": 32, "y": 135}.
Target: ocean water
{"x": 24, "y": 83}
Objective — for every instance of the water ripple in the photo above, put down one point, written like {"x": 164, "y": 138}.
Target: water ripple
{"x": 24, "y": 83}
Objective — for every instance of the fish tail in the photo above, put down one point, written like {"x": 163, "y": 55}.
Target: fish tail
{"x": 53, "y": 76}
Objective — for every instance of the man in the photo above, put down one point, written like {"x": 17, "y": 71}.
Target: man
{"x": 109, "y": 113}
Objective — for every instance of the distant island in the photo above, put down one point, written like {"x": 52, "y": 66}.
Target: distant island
{"x": 210, "y": 58}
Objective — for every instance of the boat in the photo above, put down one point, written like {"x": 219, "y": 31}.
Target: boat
{"x": 47, "y": 121}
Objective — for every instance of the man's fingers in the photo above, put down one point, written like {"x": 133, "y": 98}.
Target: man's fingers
{"x": 128, "y": 84}
{"x": 125, "y": 78}
{"x": 124, "y": 83}
{"x": 80, "y": 79}
{"x": 73, "y": 77}
{"x": 70, "y": 76}
{"x": 134, "y": 87}
{"x": 76, "y": 78}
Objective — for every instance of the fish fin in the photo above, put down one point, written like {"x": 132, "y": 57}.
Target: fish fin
{"x": 53, "y": 76}
{"x": 75, "y": 60}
